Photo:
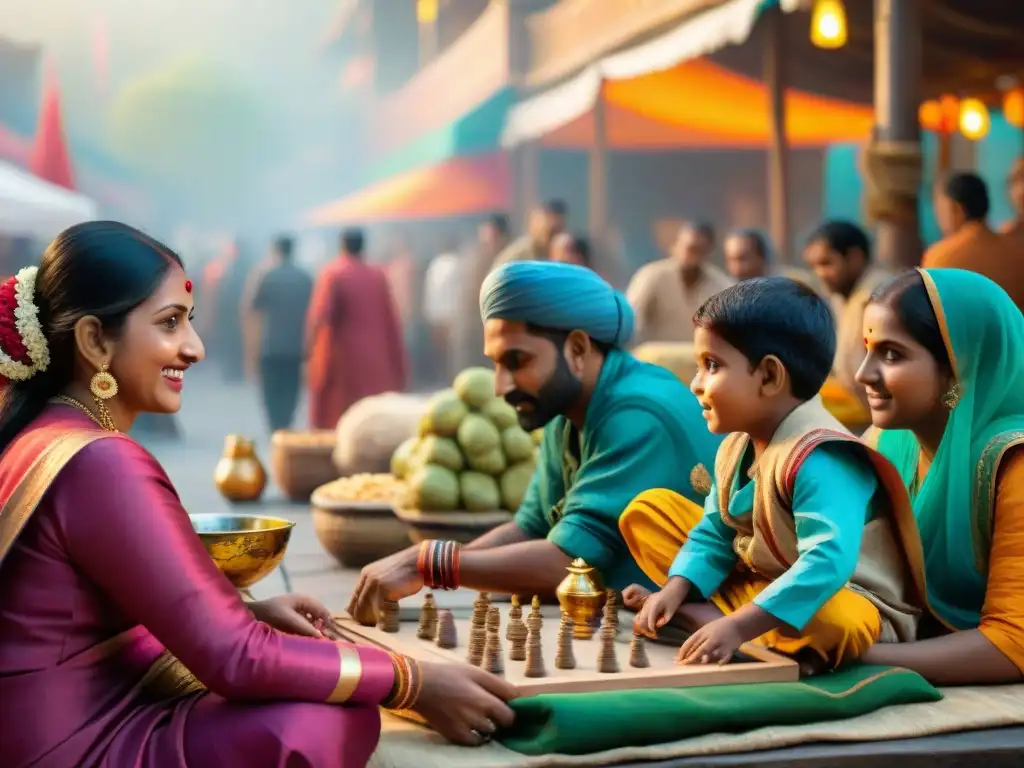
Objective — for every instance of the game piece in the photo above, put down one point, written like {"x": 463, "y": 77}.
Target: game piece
{"x": 492, "y": 645}
{"x": 534, "y": 653}
{"x": 446, "y": 634}
{"x": 638, "y": 652}
{"x": 387, "y": 619}
{"x": 515, "y": 617}
{"x": 611, "y": 608}
{"x": 534, "y": 620}
{"x": 564, "y": 656}
{"x": 478, "y": 629}
{"x": 606, "y": 661}
{"x": 428, "y": 619}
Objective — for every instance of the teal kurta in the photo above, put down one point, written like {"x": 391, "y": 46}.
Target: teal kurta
{"x": 643, "y": 430}
{"x": 832, "y": 502}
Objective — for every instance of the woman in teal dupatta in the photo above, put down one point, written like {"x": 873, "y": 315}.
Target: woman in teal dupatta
{"x": 944, "y": 374}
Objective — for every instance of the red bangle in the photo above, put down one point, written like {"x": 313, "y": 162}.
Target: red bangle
{"x": 438, "y": 564}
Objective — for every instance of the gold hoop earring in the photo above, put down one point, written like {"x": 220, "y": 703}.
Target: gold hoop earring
{"x": 951, "y": 399}
{"x": 103, "y": 386}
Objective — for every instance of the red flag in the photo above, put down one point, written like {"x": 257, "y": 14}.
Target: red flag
{"x": 49, "y": 156}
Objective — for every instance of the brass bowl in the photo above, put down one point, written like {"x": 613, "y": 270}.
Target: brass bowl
{"x": 245, "y": 548}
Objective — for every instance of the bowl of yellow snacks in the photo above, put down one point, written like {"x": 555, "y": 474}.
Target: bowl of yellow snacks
{"x": 354, "y": 518}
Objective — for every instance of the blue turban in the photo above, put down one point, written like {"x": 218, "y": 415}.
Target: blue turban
{"x": 563, "y": 297}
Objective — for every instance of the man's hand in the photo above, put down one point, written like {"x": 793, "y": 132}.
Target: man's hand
{"x": 392, "y": 578}
{"x": 296, "y": 615}
{"x": 714, "y": 643}
{"x": 659, "y": 607}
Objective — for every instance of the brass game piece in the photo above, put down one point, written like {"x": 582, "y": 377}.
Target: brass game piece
{"x": 515, "y": 616}
{"x": 428, "y": 619}
{"x": 493, "y": 661}
{"x": 387, "y": 619}
{"x": 581, "y": 594}
{"x": 564, "y": 656}
{"x": 534, "y": 652}
{"x": 638, "y": 652}
{"x": 516, "y": 632}
{"x": 447, "y": 636}
{"x": 606, "y": 661}
{"x": 478, "y": 629}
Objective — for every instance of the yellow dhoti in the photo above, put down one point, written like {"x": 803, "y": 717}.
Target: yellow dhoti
{"x": 655, "y": 526}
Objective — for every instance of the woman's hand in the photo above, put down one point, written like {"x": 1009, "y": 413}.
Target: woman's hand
{"x": 464, "y": 704}
{"x": 296, "y": 615}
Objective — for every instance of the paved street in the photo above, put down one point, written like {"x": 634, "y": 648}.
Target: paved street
{"x": 212, "y": 410}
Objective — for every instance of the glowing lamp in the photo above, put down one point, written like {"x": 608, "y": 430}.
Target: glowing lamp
{"x": 828, "y": 24}
{"x": 426, "y": 11}
{"x": 974, "y": 119}
{"x": 930, "y": 116}
{"x": 950, "y": 112}
{"x": 1013, "y": 107}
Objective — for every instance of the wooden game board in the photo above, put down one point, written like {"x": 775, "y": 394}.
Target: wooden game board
{"x": 754, "y": 665}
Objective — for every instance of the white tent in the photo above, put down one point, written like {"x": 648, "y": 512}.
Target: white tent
{"x": 32, "y": 207}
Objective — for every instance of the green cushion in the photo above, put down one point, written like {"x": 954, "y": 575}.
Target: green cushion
{"x": 582, "y": 723}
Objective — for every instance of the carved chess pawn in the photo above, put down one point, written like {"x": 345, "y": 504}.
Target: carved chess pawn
{"x": 492, "y": 661}
{"x": 606, "y": 661}
{"x": 447, "y": 636}
{"x": 428, "y": 619}
{"x": 638, "y": 652}
{"x": 515, "y": 617}
{"x": 534, "y": 655}
{"x": 564, "y": 656}
{"x": 388, "y": 618}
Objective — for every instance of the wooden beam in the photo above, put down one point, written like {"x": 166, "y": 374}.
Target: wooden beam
{"x": 778, "y": 150}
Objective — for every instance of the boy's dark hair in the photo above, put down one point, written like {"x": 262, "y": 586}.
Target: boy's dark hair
{"x": 969, "y": 191}
{"x": 842, "y": 237}
{"x": 776, "y": 316}
{"x": 284, "y": 245}
{"x": 353, "y": 241}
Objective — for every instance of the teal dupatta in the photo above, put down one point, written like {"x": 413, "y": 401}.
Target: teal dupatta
{"x": 984, "y": 334}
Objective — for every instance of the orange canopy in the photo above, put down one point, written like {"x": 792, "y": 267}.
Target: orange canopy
{"x": 700, "y": 105}
{"x": 459, "y": 186}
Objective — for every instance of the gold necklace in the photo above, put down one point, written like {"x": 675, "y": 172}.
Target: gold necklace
{"x": 68, "y": 400}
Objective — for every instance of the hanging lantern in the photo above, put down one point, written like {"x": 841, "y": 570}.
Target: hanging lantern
{"x": 930, "y": 116}
{"x": 1013, "y": 107}
{"x": 950, "y": 107}
{"x": 828, "y": 24}
{"x": 974, "y": 119}
{"x": 426, "y": 11}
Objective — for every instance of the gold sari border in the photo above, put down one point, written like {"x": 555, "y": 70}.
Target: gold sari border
{"x": 940, "y": 315}
{"x": 350, "y": 672}
{"x": 22, "y": 503}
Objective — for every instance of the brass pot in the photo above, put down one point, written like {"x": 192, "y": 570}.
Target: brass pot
{"x": 239, "y": 475}
{"x": 581, "y": 595}
{"x": 245, "y": 548}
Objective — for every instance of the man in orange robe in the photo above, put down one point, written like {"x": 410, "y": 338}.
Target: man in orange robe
{"x": 353, "y": 335}
{"x": 962, "y": 207}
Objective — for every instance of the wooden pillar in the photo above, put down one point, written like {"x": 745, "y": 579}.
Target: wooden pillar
{"x": 598, "y": 173}
{"x": 778, "y": 151}
{"x": 526, "y": 167}
{"x": 897, "y": 99}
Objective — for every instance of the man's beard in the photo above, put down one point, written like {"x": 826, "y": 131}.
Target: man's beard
{"x": 554, "y": 398}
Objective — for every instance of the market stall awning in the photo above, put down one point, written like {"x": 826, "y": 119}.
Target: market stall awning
{"x": 700, "y": 104}
{"x": 33, "y": 207}
{"x": 728, "y": 24}
{"x": 460, "y": 186}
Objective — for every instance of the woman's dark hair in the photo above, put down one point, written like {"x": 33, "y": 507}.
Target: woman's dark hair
{"x": 100, "y": 268}
{"x": 906, "y": 295}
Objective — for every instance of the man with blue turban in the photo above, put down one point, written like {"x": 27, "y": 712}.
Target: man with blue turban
{"x": 613, "y": 428}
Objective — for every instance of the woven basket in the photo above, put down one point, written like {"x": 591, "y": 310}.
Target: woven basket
{"x": 459, "y": 526}
{"x": 301, "y": 461}
{"x": 356, "y": 533}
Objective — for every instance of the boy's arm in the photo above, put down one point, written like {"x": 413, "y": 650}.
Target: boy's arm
{"x": 707, "y": 557}
{"x": 831, "y": 504}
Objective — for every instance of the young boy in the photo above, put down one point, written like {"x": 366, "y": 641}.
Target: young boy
{"x": 807, "y": 540}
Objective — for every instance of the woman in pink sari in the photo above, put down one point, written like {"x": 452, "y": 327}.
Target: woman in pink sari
{"x": 121, "y": 644}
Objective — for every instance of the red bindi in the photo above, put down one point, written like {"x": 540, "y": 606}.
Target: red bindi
{"x": 188, "y": 286}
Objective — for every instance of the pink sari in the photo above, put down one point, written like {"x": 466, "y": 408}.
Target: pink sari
{"x": 102, "y": 579}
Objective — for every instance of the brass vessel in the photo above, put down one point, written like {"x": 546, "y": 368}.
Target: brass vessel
{"x": 245, "y": 548}
{"x": 581, "y": 594}
{"x": 239, "y": 475}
